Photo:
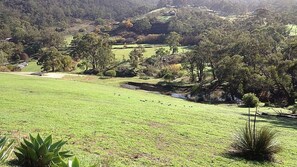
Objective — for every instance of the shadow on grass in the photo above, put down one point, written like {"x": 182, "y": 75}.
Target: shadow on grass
{"x": 277, "y": 121}
{"x": 239, "y": 157}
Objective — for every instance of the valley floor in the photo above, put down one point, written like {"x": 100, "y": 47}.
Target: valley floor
{"x": 106, "y": 124}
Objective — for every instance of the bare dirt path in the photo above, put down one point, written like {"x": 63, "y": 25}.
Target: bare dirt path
{"x": 34, "y": 74}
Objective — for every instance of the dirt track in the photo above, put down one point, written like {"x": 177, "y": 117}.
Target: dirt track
{"x": 45, "y": 75}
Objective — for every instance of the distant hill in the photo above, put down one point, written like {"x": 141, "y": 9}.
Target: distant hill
{"x": 43, "y": 13}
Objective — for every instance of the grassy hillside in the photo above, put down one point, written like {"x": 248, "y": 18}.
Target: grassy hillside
{"x": 32, "y": 67}
{"x": 102, "y": 121}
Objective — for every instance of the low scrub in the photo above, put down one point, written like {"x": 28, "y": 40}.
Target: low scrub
{"x": 110, "y": 73}
{"x": 254, "y": 143}
{"x": 4, "y": 69}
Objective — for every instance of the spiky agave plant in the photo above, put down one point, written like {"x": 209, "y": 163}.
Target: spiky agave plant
{"x": 256, "y": 144}
{"x": 40, "y": 153}
{"x": 6, "y": 148}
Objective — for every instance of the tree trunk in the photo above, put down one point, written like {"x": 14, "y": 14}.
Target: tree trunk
{"x": 192, "y": 72}
{"x": 291, "y": 100}
{"x": 201, "y": 73}
{"x": 213, "y": 70}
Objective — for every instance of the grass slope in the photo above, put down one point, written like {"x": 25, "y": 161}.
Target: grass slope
{"x": 32, "y": 67}
{"x": 123, "y": 131}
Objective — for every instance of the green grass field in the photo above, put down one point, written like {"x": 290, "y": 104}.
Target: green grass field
{"x": 293, "y": 29}
{"x": 106, "y": 123}
{"x": 32, "y": 67}
{"x": 68, "y": 39}
{"x": 121, "y": 54}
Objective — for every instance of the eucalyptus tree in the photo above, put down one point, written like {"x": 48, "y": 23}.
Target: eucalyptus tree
{"x": 95, "y": 49}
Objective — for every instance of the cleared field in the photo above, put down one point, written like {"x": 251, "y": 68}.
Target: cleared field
{"x": 106, "y": 123}
{"x": 123, "y": 53}
{"x": 32, "y": 67}
{"x": 68, "y": 39}
{"x": 293, "y": 29}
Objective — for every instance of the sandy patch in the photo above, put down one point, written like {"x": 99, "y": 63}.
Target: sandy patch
{"x": 37, "y": 74}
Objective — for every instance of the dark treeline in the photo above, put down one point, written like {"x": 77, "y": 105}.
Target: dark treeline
{"x": 61, "y": 12}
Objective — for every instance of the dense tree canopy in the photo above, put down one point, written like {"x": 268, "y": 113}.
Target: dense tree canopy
{"x": 93, "y": 48}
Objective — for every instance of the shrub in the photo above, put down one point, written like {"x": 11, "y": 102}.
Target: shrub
{"x": 170, "y": 72}
{"x": 99, "y": 21}
{"x": 150, "y": 39}
{"x": 82, "y": 30}
{"x": 91, "y": 72}
{"x": 144, "y": 77}
{"x": 13, "y": 68}
{"x": 4, "y": 69}
{"x": 110, "y": 73}
{"x": 150, "y": 71}
{"x": 6, "y": 148}
{"x": 293, "y": 109}
{"x": 125, "y": 72}
{"x": 255, "y": 144}
{"x": 40, "y": 153}
{"x": 250, "y": 100}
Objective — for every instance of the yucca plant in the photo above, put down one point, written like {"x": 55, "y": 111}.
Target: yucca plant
{"x": 6, "y": 148}
{"x": 40, "y": 153}
{"x": 256, "y": 144}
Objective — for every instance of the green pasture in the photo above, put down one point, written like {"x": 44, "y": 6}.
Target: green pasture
{"x": 123, "y": 53}
{"x": 32, "y": 67}
{"x": 293, "y": 29}
{"x": 104, "y": 123}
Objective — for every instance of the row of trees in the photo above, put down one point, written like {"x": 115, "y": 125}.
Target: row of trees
{"x": 260, "y": 59}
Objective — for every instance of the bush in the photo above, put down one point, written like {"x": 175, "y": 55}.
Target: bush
{"x": 170, "y": 72}
{"x": 150, "y": 71}
{"x": 6, "y": 148}
{"x": 125, "y": 72}
{"x": 4, "y": 69}
{"x": 250, "y": 100}
{"x": 91, "y": 72}
{"x": 150, "y": 39}
{"x": 40, "y": 153}
{"x": 144, "y": 77}
{"x": 110, "y": 73}
{"x": 99, "y": 21}
{"x": 13, "y": 68}
{"x": 255, "y": 144}
{"x": 82, "y": 30}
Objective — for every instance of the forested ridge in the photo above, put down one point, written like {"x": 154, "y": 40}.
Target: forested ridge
{"x": 53, "y": 12}
{"x": 253, "y": 51}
